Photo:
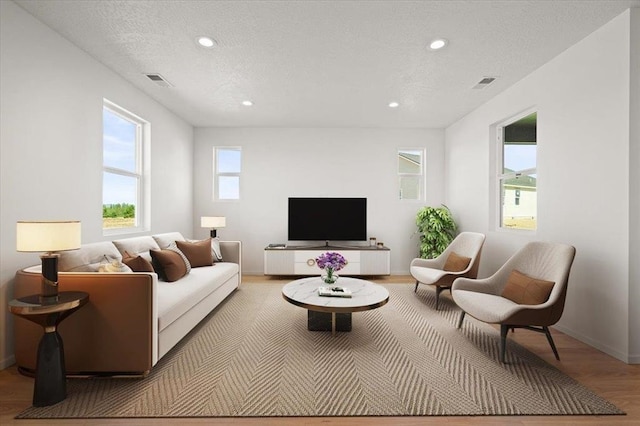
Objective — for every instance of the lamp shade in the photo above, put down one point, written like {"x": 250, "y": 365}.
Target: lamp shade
{"x": 213, "y": 221}
{"x": 47, "y": 236}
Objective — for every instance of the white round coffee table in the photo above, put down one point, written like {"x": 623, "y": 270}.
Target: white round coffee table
{"x": 334, "y": 313}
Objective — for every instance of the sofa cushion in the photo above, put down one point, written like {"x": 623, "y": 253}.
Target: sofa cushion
{"x": 456, "y": 263}
{"x": 199, "y": 253}
{"x": 176, "y": 299}
{"x": 137, "y": 245}
{"x": 526, "y": 290}
{"x": 88, "y": 257}
{"x": 164, "y": 240}
{"x": 169, "y": 264}
{"x": 137, "y": 263}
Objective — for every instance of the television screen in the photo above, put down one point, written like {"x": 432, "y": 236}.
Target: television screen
{"x": 327, "y": 219}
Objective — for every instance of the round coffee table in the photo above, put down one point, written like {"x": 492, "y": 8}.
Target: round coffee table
{"x": 334, "y": 313}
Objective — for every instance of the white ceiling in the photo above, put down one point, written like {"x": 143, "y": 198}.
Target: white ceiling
{"x": 324, "y": 63}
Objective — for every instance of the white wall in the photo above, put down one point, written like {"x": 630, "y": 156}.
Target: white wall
{"x": 281, "y": 163}
{"x": 51, "y": 144}
{"x": 582, "y": 99}
{"x": 634, "y": 192}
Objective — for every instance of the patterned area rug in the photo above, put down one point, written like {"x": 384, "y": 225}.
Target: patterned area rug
{"x": 253, "y": 356}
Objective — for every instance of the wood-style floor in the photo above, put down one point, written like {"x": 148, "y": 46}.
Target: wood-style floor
{"x": 610, "y": 378}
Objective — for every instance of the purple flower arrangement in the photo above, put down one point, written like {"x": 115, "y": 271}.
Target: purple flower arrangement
{"x": 331, "y": 262}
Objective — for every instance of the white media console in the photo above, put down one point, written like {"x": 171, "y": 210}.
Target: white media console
{"x": 301, "y": 260}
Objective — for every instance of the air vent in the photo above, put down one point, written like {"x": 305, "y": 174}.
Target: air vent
{"x": 484, "y": 82}
{"x": 159, "y": 80}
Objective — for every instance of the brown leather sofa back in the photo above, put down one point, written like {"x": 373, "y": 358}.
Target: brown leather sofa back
{"x": 112, "y": 334}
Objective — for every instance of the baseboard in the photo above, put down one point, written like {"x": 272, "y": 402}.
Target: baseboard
{"x": 596, "y": 344}
{"x": 7, "y": 362}
{"x": 634, "y": 359}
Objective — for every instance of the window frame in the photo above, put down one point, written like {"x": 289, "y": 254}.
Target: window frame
{"x": 501, "y": 176}
{"x": 217, "y": 175}
{"x": 141, "y": 173}
{"x": 421, "y": 175}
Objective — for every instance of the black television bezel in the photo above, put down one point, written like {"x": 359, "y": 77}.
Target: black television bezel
{"x": 331, "y": 204}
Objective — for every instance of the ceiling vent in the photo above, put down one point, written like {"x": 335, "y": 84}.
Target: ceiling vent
{"x": 159, "y": 80}
{"x": 484, "y": 82}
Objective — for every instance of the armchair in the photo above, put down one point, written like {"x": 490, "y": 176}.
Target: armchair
{"x": 460, "y": 259}
{"x": 528, "y": 291}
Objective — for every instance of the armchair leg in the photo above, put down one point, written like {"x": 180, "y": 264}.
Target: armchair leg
{"x": 550, "y": 339}
{"x": 462, "y": 314}
{"x": 504, "y": 329}
{"x": 415, "y": 290}
{"x": 438, "y": 291}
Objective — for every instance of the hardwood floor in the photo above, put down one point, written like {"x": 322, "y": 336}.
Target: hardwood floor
{"x": 610, "y": 378}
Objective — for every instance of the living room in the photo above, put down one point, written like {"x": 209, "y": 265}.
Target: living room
{"x": 587, "y": 98}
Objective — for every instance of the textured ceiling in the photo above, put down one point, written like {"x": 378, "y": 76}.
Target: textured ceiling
{"x": 324, "y": 63}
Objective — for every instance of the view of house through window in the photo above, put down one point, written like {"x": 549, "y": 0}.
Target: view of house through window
{"x": 411, "y": 174}
{"x": 517, "y": 175}
{"x": 122, "y": 172}
{"x": 227, "y": 166}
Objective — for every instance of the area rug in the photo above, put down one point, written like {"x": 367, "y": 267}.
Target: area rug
{"x": 253, "y": 356}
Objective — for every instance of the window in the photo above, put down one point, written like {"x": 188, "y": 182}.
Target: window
{"x": 123, "y": 135}
{"x": 227, "y": 165}
{"x": 517, "y": 173}
{"x": 411, "y": 174}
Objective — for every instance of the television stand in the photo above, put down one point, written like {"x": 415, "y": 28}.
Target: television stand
{"x": 301, "y": 260}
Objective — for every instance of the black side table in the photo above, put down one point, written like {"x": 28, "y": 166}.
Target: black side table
{"x": 50, "y": 383}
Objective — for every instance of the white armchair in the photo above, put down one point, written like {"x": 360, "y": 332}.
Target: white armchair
{"x": 460, "y": 259}
{"x": 531, "y": 298}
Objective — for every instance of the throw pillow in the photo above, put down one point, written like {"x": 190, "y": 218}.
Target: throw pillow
{"x": 113, "y": 266}
{"x": 174, "y": 247}
{"x": 169, "y": 265}
{"x": 199, "y": 253}
{"x": 456, "y": 263}
{"x": 215, "y": 250}
{"x": 525, "y": 290}
{"x": 137, "y": 263}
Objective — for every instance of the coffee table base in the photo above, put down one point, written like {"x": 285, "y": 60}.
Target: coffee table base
{"x": 321, "y": 321}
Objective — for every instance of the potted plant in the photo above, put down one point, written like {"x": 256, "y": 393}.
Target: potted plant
{"x": 436, "y": 228}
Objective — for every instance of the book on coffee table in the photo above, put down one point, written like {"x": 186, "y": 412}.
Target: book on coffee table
{"x": 334, "y": 291}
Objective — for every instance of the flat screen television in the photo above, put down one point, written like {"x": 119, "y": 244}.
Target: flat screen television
{"x": 327, "y": 219}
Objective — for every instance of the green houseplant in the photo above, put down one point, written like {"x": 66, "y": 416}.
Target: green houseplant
{"x": 436, "y": 228}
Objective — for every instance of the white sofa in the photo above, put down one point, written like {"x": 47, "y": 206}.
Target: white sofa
{"x": 132, "y": 319}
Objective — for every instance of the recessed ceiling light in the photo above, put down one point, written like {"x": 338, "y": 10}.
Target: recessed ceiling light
{"x": 394, "y": 104}
{"x": 438, "y": 43}
{"x": 247, "y": 103}
{"x": 206, "y": 42}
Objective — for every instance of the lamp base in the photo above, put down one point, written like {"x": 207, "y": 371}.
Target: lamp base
{"x": 49, "y": 286}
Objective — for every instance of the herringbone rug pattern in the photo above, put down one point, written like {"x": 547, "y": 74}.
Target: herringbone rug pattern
{"x": 253, "y": 356}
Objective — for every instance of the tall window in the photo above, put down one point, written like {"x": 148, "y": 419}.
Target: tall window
{"x": 122, "y": 169}
{"x": 517, "y": 174}
{"x": 227, "y": 166}
{"x": 411, "y": 174}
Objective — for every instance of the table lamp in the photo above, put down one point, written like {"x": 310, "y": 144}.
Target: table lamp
{"x": 213, "y": 222}
{"x": 48, "y": 237}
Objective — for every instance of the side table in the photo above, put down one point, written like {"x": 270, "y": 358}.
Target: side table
{"x": 50, "y": 385}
